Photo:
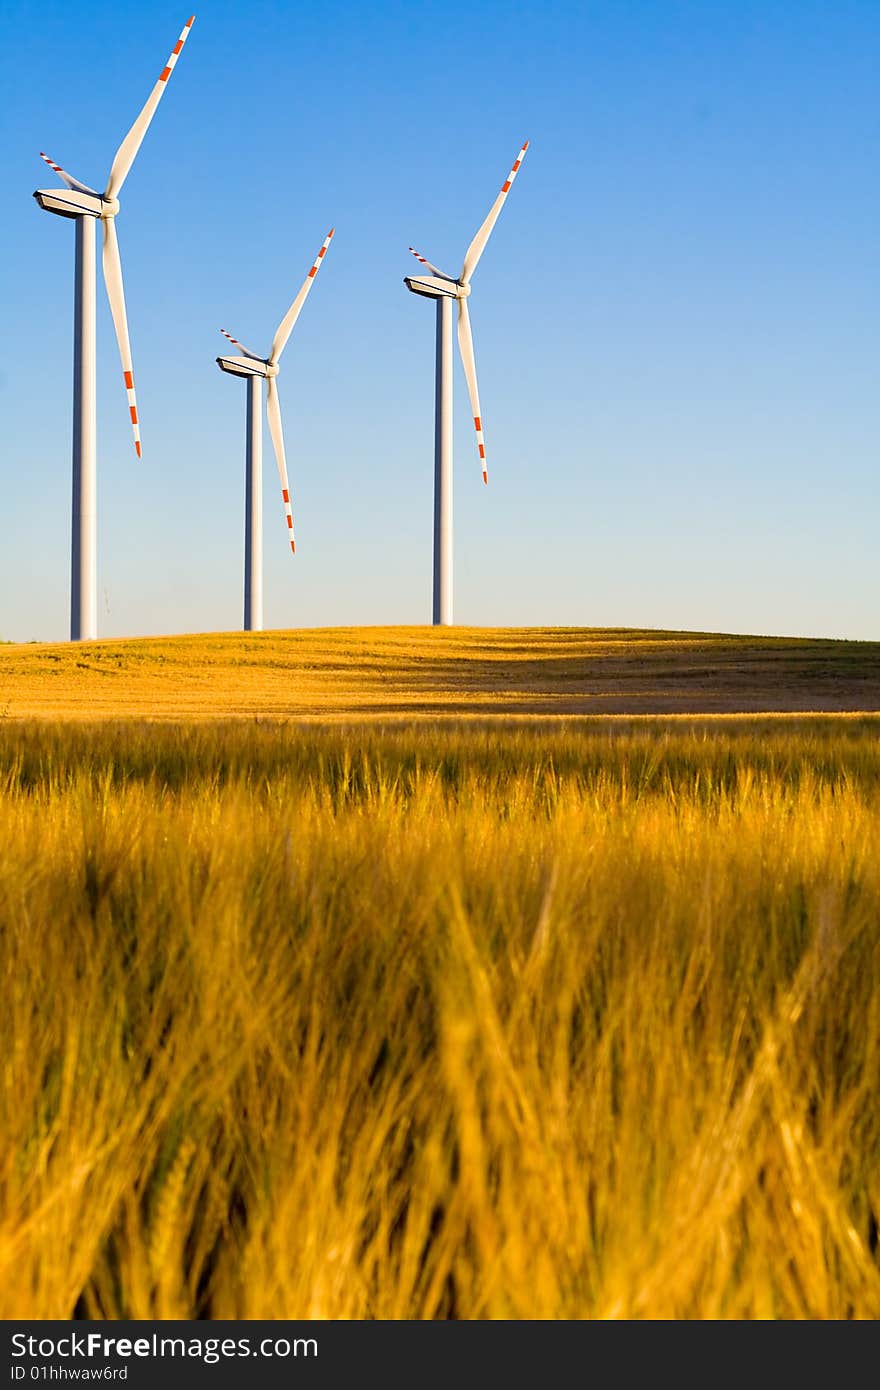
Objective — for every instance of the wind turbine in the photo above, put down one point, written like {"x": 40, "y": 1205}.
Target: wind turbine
{"x": 445, "y": 289}
{"x": 256, "y": 369}
{"x": 86, "y": 207}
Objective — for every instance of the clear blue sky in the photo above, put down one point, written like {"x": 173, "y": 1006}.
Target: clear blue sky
{"x": 676, "y": 320}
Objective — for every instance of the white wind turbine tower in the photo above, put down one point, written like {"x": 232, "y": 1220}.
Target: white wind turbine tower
{"x": 86, "y": 206}
{"x": 256, "y": 368}
{"x": 444, "y": 289}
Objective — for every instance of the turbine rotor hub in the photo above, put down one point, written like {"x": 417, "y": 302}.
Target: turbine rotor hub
{"x": 463, "y": 290}
{"x": 271, "y": 369}
{"x": 109, "y": 207}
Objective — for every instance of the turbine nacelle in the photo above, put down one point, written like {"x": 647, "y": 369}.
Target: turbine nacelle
{"x": 436, "y": 287}
{"x": 70, "y": 202}
{"x": 246, "y": 366}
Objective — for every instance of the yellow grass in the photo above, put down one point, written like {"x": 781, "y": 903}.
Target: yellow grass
{"x": 378, "y": 673}
{"x": 576, "y": 1019}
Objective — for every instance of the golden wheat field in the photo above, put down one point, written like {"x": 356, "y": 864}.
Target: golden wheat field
{"x": 393, "y": 672}
{"x": 480, "y": 1016}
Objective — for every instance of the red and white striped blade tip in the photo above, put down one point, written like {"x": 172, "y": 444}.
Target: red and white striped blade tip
{"x": 175, "y": 52}
{"x": 320, "y": 256}
{"x": 128, "y": 378}
{"x": 423, "y": 260}
{"x": 64, "y": 176}
{"x": 516, "y": 163}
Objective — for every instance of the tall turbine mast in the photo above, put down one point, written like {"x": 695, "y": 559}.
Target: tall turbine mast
{"x": 444, "y": 289}
{"x": 87, "y": 207}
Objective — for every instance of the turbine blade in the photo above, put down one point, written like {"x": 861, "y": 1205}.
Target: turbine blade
{"x": 466, "y": 348}
{"x": 247, "y": 352}
{"x": 68, "y": 178}
{"x": 477, "y": 246}
{"x": 273, "y": 410}
{"x": 132, "y": 142}
{"x": 113, "y": 280}
{"x": 285, "y": 327}
{"x": 433, "y": 269}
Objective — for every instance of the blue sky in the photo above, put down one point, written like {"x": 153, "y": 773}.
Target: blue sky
{"x": 676, "y": 320}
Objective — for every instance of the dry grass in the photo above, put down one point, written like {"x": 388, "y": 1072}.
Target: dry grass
{"x": 577, "y": 1020}
{"x": 394, "y": 672}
